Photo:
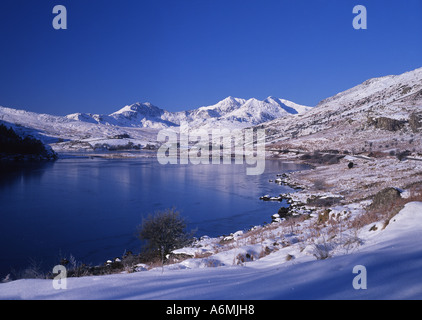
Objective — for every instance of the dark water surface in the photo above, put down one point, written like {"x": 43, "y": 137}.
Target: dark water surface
{"x": 90, "y": 208}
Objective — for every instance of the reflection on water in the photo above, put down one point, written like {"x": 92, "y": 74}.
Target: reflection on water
{"x": 91, "y": 208}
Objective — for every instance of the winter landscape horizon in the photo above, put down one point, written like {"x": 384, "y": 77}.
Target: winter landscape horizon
{"x": 303, "y": 183}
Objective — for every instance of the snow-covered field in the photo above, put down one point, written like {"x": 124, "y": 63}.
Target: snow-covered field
{"x": 391, "y": 257}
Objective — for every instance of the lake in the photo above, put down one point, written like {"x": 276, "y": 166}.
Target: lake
{"x": 91, "y": 208}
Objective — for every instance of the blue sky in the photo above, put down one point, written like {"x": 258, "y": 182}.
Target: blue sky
{"x": 183, "y": 54}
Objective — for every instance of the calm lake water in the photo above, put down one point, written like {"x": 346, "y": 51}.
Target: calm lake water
{"x": 91, "y": 208}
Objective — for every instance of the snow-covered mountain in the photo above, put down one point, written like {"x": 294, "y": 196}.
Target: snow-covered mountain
{"x": 70, "y": 134}
{"x": 140, "y": 115}
{"x": 380, "y": 114}
{"x": 287, "y": 105}
{"x": 230, "y": 112}
{"x": 248, "y": 112}
{"x": 136, "y": 125}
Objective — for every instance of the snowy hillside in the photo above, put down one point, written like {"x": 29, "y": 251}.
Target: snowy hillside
{"x": 391, "y": 258}
{"x": 287, "y": 105}
{"x": 67, "y": 134}
{"x": 141, "y": 115}
{"x": 371, "y": 116}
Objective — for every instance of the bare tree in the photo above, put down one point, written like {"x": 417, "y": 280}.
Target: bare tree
{"x": 164, "y": 232}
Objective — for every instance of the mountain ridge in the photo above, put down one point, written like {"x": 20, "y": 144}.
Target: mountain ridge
{"x": 367, "y": 117}
{"x": 136, "y": 125}
{"x": 240, "y": 112}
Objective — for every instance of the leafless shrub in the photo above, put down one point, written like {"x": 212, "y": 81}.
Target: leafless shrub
{"x": 322, "y": 250}
{"x": 33, "y": 271}
{"x": 164, "y": 232}
{"x": 241, "y": 258}
{"x": 351, "y": 242}
{"x": 324, "y": 216}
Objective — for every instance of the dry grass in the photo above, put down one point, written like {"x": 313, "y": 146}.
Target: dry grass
{"x": 258, "y": 235}
{"x": 289, "y": 257}
{"x": 203, "y": 255}
{"x": 385, "y": 212}
{"x": 400, "y": 205}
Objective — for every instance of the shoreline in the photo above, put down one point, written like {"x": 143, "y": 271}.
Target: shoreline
{"x": 122, "y": 156}
{"x": 309, "y": 201}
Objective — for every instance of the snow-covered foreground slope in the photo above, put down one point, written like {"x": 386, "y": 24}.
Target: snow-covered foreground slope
{"x": 392, "y": 258}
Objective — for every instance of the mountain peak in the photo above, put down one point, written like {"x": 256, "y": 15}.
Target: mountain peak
{"x": 230, "y": 112}
{"x": 231, "y": 99}
{"x": 138, "y": 107}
